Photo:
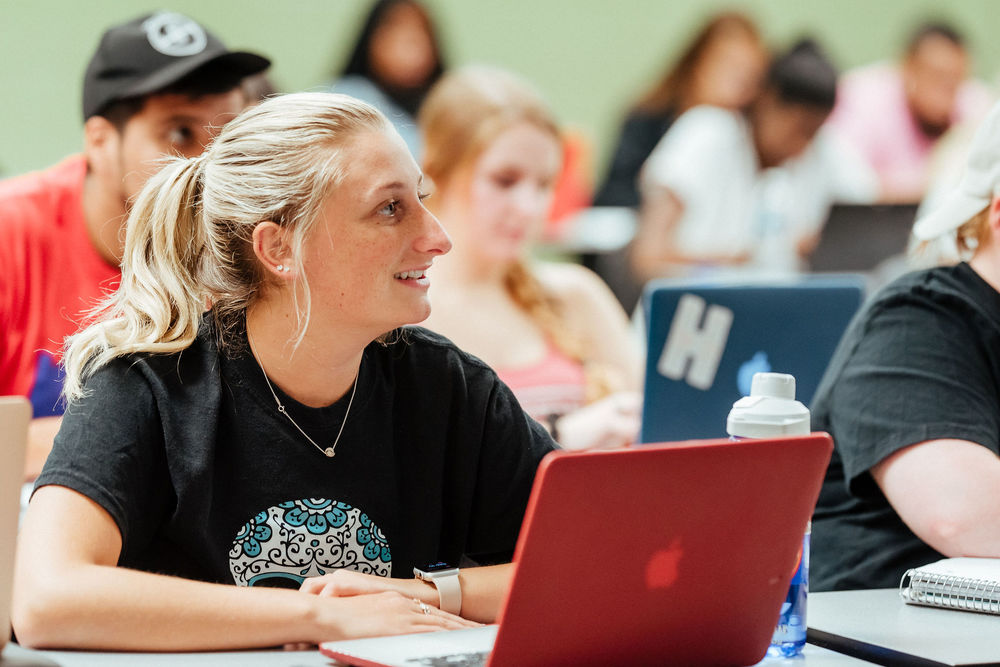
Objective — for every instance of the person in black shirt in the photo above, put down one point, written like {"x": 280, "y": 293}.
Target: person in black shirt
{"x": 912, "y": 399}
{"x": 294, "y": 434}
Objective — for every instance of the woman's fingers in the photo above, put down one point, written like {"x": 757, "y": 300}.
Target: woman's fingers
{"x": 300, "y": 646}
{"x": 436, "y": 619}
{"x": 384, "y": 613}
{"x": 342, "y": 583}
{"x": 313, "y": 585}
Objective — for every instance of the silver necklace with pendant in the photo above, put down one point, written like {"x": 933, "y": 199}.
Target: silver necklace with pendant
{"x": 328, "y": 451}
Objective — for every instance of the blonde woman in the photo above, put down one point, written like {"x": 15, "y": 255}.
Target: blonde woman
{"x": 554, "y": 332}
{"x": 284, "y": 438}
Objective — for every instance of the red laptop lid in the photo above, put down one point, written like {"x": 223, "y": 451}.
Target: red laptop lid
{"x": 677, "y": 553}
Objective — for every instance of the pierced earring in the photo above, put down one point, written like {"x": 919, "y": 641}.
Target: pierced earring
{"x": 282, "y": 267}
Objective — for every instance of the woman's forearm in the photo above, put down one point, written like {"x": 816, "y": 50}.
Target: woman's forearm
{"x": 103, "y": 607}
{"x": 483, "y": 591}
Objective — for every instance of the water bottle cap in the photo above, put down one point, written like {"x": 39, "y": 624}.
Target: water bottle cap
{"x": 775, "y": 385}
{"x": 770, "y": 410}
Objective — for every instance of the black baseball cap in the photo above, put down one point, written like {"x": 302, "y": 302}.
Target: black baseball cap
{"x": 152, "y": 52}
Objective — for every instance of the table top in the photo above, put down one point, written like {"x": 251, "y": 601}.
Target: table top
{"x": 878, "y": 625}
{"x": 875, "y": 625}
{"x": 15, "y": 656}
{"x": 599, "y": 229}
{"x": 845, "y": 628}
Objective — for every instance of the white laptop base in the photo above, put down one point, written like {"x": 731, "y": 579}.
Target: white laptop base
{"x": 451, "y": 647}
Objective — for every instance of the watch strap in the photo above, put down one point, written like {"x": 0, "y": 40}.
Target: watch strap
{"x": 449, "y": 593}
{"x": 448, "y": 586}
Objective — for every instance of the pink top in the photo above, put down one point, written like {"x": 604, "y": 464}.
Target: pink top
{"x": 872, "y": 114}
{"x": 553, "y": 386}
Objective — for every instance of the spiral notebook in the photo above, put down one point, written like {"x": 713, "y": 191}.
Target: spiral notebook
{"x": 967, "y": 584}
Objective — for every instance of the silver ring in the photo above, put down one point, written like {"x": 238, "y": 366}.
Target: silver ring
{"x": 424, "y": 608}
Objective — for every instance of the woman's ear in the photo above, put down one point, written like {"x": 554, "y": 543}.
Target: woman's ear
{"x": 994, "y": 214}
{"x": 272, "y": 250}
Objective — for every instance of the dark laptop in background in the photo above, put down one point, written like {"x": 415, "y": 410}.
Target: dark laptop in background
{"x": 706, "y": 341}
{"x": 668, "y": 554}
{"x": 860, "y": 237}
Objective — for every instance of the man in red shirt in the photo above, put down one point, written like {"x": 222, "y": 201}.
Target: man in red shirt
{"x": 160, "y": 84}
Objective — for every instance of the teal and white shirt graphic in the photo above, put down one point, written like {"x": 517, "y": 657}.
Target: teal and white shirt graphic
{"x": 298, "y": 539}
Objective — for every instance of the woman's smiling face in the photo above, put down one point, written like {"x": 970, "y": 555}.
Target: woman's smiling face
{"x": 366, "y": 257}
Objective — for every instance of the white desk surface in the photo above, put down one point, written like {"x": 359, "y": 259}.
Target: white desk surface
{"x": 825, "y": 610}
{"x": 879, "y": 626}
{"x": 15, "y": 656}
{"x": 599, "y": 229}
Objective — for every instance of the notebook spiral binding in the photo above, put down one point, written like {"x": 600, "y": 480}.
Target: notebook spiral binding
{"x": 951, "y": 591}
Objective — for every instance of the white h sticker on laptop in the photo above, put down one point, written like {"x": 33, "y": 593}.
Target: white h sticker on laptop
{"x": 693, "y": 350}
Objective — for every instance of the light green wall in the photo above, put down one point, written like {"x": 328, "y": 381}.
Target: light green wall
{"x": 590, "y": 57}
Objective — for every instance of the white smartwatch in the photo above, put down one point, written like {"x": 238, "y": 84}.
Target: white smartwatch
{"x": 444, "y": 577}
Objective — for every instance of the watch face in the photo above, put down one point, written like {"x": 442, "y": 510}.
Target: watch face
{"x": 437, "y": 567}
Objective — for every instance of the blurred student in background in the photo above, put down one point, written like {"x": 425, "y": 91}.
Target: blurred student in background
{"x": 722, "y": 66}
{"x": 894, "y": 113}
{"x": 747, "y": 190}
{"x": 395, "y": 61}
{"x": 553, "y": 332}
{"x": 911, "y": 399}
{"x": 157, "y": 85}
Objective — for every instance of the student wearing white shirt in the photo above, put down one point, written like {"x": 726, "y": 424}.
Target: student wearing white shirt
{"x": 731, "y": 189}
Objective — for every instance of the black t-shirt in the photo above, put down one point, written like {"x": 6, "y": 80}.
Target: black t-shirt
{"x": 207, "y": 480}
{"x": 920, "y": 362}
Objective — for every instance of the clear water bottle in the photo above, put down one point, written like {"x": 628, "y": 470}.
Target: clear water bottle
{"x": 770, "y": 411}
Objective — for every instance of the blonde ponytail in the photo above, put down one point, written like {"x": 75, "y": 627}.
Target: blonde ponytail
{"x": 188, "y": 245}
{"x": 158, "y": 305}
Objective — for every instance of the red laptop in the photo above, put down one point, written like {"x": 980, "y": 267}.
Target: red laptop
{"x": 677, "y": 553}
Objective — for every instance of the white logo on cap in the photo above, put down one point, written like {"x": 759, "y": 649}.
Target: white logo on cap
{"x": 174, "y": 34}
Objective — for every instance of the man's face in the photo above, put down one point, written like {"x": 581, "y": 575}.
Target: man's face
{"x": 932, "y": 75}
{"x": 166, "y": 125}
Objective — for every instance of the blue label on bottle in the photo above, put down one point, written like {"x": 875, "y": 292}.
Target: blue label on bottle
{"x": 790, "y": 635}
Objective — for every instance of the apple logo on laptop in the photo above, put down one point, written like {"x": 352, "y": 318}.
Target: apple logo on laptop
{"x": 662, "y": 567}
{"x": 758, "y": 363}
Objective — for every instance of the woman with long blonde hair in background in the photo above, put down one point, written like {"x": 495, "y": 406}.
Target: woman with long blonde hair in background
{"x": 553, "y": 331}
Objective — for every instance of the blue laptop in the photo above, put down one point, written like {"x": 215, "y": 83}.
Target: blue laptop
{"x": 706, "y": 341}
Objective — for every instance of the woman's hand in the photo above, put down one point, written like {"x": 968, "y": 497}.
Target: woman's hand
{"x": 371, "y": 606}
{"x": 378, "y": 614}
{"x": 609, "y": 423}
{"x": 347, "y": 583}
